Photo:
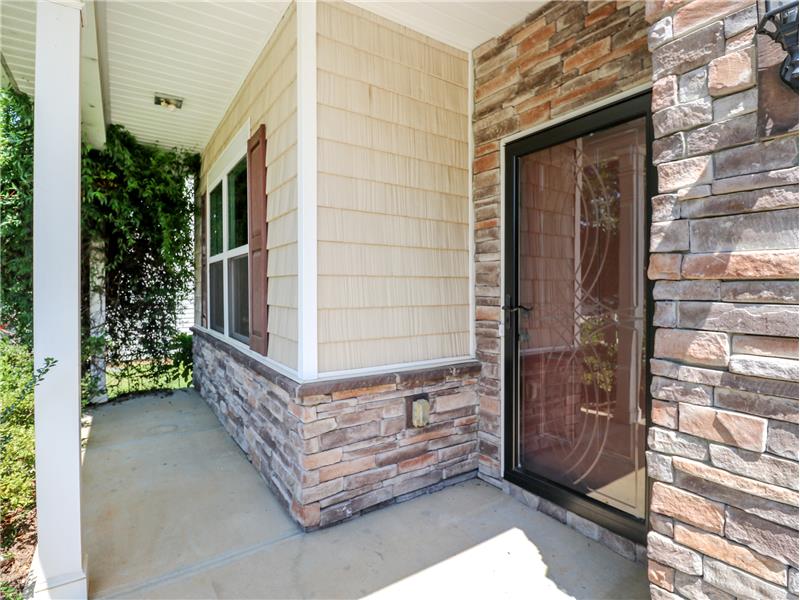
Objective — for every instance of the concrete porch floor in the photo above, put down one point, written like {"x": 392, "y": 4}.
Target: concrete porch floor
{"x": 173, "y": 509}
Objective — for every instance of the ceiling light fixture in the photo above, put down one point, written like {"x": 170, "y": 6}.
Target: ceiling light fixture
{"x": 170, "y": 103}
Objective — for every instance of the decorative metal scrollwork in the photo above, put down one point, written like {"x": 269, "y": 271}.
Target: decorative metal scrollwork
{"x": 780, "y": 23}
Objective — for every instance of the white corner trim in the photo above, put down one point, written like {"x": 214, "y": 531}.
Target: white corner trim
{"x": 307, "y": 189}
{"x": 473, "y": 344}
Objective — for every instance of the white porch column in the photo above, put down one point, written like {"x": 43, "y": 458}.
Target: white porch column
{"x": 56, "y": 298}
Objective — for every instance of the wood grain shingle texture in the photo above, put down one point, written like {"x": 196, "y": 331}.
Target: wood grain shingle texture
{"x": 393, "y": 186}
{"x": 268, "y": 96}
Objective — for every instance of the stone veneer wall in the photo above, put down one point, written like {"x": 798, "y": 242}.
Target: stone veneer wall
{"x": 333, "y": 449}
{"x": 563, "y": 56}
{"x": 724, "y": 237}
{"x": 723, "y": 446}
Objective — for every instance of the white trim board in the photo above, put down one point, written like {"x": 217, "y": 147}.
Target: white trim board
{"x": 93, "y": 117}
{"x": 56, "y": 300}
{"x": 333, "y": 375}
{"x": 227, "y": 160}
{"x": 234, "y": 151}
{"x": 394, "y": 368}
{"x": 473, "y": 343}
{"x": 245, "y": 349}
{"x": 307, "y": 350}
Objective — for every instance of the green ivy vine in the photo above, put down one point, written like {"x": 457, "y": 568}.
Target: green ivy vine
{"x": 16, "y": 214}
{"x": 138, "y": 203}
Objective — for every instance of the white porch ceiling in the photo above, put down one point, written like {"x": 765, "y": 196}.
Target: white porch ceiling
{"x": 17, "y": 40}
{"x": 201, "y": 50}
{"x": 463, "y": 25}
{"x": 198, "y": 51}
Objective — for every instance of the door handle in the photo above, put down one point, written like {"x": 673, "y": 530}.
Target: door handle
{"x": 517, "y": 308}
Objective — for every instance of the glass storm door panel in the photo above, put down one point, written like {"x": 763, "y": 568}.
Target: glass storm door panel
{"x": 580, "y": 372}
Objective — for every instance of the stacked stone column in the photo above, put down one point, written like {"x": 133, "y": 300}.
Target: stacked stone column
{"x": 724, "y": 237}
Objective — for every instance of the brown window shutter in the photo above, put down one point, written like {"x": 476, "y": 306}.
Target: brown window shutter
{"x": 203, "y": 279}
{"x": 257, "y": 239}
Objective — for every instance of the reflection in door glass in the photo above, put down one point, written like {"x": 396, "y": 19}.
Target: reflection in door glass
{"x": 581, "y": 413}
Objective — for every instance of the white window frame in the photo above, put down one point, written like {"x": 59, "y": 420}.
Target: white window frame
{"x": 218, "y": 175}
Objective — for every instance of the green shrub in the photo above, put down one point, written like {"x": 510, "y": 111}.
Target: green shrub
{"x": 17, "y": 458}
{"x": 182, "y": 357}
{"x": 17, "y": 474}
{"x": 16, "y": 392}
{"x": 9, "y": 592}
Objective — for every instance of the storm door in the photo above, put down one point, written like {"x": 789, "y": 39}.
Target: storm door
{"x": 576, "y": 307}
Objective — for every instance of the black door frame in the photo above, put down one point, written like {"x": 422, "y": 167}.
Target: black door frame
{"x": 614, "y": 114}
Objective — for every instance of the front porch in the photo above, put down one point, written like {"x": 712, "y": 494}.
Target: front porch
{"x": 172, "y": 509}
{"x": 360, "y": 187}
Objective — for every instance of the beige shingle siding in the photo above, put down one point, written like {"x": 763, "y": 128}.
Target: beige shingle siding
{"x": 269, "y": 95}
{"x": 392, "y": 193}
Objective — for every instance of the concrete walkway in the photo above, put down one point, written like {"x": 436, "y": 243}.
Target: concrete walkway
{"x": 172, "y": 509}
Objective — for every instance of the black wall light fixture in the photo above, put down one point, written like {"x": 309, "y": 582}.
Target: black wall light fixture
{"x": 780, "y": 23}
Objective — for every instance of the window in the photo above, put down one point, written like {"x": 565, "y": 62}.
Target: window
{"x": 228, "y": 271}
